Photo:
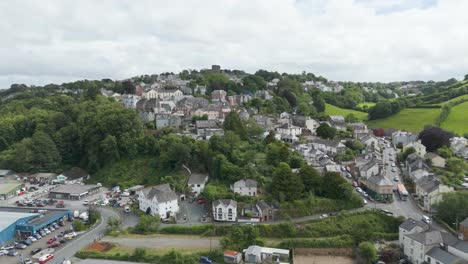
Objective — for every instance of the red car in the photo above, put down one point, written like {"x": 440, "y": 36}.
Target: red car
{"x": 54, "y": 245}
{"x": 201, "y": 201}
{"x": 52, "y": 240}
{"x": 61, "y": 202}
{"x": 45, "y": 258}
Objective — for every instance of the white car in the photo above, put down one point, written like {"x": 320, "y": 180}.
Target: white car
{"x": 365, "y": 201}
{"x": 47, "y": 231}
{"x": 393, "y": 164}
{"x": 33, "y": 239}
{"x": 3, "y": 252}
{"x": 358, "y": 189}
{"x": 393, "y": 170}
{"x": 85, "y": 202}
{"x": 323, "y": 216}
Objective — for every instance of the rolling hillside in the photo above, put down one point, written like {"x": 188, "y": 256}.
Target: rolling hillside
{"x": 409, "y": 119}
{"x": 333, "y": 110}
{"x": 457, "y": 119}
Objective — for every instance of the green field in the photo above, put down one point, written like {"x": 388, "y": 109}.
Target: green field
{"x": 409, "y": 119}
{"x": 465, "y": 96}
{"x": 368, "y": 104}
{"x": 333, "y": 110}
{"x": 457, "y": 119}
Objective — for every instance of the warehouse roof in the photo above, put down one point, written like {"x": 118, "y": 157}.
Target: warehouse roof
{"x": 9, "y": 218}
{"x": 7, "y": 187}
{"x": 74, "y": 188}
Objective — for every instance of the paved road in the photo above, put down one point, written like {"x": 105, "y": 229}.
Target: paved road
{"x": 84, "y": 240}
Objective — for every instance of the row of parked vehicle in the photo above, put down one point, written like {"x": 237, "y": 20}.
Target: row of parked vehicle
{"x": 9, "y": 250}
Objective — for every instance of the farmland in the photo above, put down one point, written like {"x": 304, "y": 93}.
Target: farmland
{"x": 333, "y": 110}
{"x": 456, "y": 120}
{"x": 409, "y": 119}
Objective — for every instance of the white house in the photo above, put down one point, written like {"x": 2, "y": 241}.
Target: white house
{"x": 411, "y": 226}
{"x": 415, "y": 246}
{"x": 197, "y": 182}
{"x": 159, "y": 200}
{"x": 151, "y": 94}
{"x": 130, "y": 100}
{"x": 420, "y": 148}
{"x": 246, "y": 187}
{"x": 289, "y": 130}
{"x": 403, "y": 137}
{"x": 369, "y": 169}
{"x": 331, "y": 147}
{"x": 256, "y": 254}
{"x": 225, "y": 210}
{"x": 430, "y": 191}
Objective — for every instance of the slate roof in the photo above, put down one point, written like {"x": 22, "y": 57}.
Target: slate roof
{"x": 428, "y": 183}
{"x": 248, "y": 183}
{"x": 464, "y": 222}
{"x": 162, "y": 192}
{"x": 225, "y": 202}
{"x": 197, "y": 178}
{"x": 206, "y": 124}
{"x": 263, "y": 205}
{"x": 434, "y": 237}
{"x": 380, "y": 180}
{"x": 410, "y": 224}
{"x": 462, "y": 246}
{"x": 326, "y": 142}
{"x": 445, "y": 257}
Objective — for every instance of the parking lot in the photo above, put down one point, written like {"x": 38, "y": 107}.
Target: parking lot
{"x": 39, "y": 244}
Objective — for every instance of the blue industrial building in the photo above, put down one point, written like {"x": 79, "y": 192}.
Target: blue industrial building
{"x": 23, "y": 222}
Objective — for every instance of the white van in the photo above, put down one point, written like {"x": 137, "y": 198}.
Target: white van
{"x": 365, "y": 201}
{"x": 426, "y": 220}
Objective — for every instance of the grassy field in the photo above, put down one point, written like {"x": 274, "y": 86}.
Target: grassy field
{"x": 409, "y": 119}
{"x": 465, "y": 96}
{"x": 333, "y": 110}
{"x": 368, "y": 104}
{"x": 456, "y": 120}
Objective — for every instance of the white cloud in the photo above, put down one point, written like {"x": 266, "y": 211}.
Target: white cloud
{"x": 362, "y": 40}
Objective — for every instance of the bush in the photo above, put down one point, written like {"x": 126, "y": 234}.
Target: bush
{"x": 190, "y": 230}
{"x": 147, "y": 224}
{"x": 78, "y": 225}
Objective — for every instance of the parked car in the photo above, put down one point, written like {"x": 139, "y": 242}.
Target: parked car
{"x": 201, "y": 201}
{"x": 37, "y": 236}
{"x": 396, "y": 179}
{"x": 54, "y": 245}
{"x": 3, "y": 252}
{"x": 323, "y": 216}
{"x": 32, "y": 238}
{"x": 34, "y": 251}
{"x": 205, "y": 260}
{"x": 51, "y": 240}
{"x": 358, "y": 189}
{"x": 27, "y": 242}
{"x": 12, "y": 253}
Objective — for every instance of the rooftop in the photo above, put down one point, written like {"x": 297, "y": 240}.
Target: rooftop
{"x": 9, "y": 218}
{"x": 74, "y": 188}
{"x": 445, "y": 257}
{"x": 410, "y": 223}
{"x": 197, "y": 178}
{"x": 7, "y": 187}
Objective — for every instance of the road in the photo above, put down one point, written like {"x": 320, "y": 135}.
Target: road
{"x": 87, "y": 238}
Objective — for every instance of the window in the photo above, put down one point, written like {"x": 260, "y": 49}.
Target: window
{"x": 230, "y": 214}
{"x": 198, "y": 185}
{"x": 220, "y": 213}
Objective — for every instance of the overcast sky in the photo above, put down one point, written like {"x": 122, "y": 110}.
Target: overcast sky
{"x": 358, "y": 40}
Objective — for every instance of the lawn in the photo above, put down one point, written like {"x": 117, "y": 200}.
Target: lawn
{"x": 368, "y": 104}
{"x": 409, "y": 119}
{"x": 456, "y": 120}
{"x": 333, "y": 110}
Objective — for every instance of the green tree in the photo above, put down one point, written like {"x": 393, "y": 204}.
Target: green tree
{"x": 456, "y": 165}
{"x": 453, "y": 208}
{"x": 233, "y": 123}
{"x": 276, "y": 153}
{"x": 254, "y": 83}
{"x": 241, "y": 237}
{"x": 466, "y": 77}
{"x": 350, "y": 118}
{"x": 311, "y": 179}
{"x": 147, "y": 224}
{"x": 319, "y": 104}
{"x": 326, "y": 131}
{"x": 91, "y": 92}
{"x": 46, "y": 157}
{"x": 368, "y": 252}
{"x": 445, "y": 152}
{"x": 286, "y": 185}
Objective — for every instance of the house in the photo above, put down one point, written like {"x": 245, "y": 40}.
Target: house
{"x": 224, "y": 210}
{"x": 430, "y": 191}
{"x": 211, "y": 111}
{"x": 167, "y": 120}
{"x": 463, "y": 230}
{"x": 411, "y": 226}
{"x": 439, "y": 256}
{"x": 459, "y": 145}
{"x": 151, "y": 94}
{"x": 289, "y": 129}
{"x": 200, "y": 89}
{"x": 403, "y": 138}
{"x": 416, "y": 167}
{"x": 246, "y": 187}
{"x": 331, "y": 147}
{"x": 238, "y": 99}
{"x": 130, "y": 100}
{"x": 232, "y": 257}
{"x": 266, "y": 212}
{"x": 218, "y": 95}
{"x": 306, "y": 122}
{"x": 159, "y": 200}
{"x": 206, "y": 128}
{"x": 262, "y": 94}
{"x": 73, "y": 175}
{"x": 337, "y": 122}
{"x": 256, "y": 254}
{"x": 435, "y": 160}
{"x": 197, "y": 182}
{"x": 420, "y": 148}
{"x": 379, "y": 187}
{"x": 359, "y": 129}
{"x": 369, "y": 140}
{"x": 369, "y": 169}
{"x": 415, "y": 246}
